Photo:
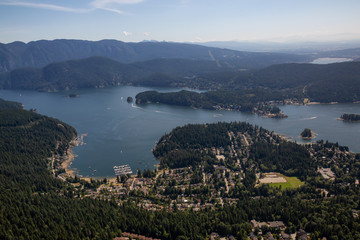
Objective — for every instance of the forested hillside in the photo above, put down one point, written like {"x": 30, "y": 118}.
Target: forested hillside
{"x": 338, "y": 82}
{"x": 34, "y": 204}
{"x": 98, "y": 72}
{"x": 9, "y": 105}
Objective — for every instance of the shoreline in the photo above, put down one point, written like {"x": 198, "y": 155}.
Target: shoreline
{"x": 69, "y": 157}
{"x": 328, "y": 103}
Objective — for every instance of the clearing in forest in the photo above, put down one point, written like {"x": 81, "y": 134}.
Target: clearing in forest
{"x": 277, "y": 180}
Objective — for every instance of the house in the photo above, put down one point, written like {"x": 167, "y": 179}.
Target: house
{"x": 256, "y": 224}
{"x": 214, "y": 236}
{"x": 269, "y": 236}
{"x": 279, "y": 225}
{"x": 301, "y": 235}
{"x": 127, "y": 236}
{"x": 285, "y": 236}
{"x": 253, "y": 236}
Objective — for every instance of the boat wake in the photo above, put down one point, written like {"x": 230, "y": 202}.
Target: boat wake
{"x": 310, "y": 118}
{"x": 157, "y": 111}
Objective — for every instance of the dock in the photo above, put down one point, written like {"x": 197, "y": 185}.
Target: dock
{"x": 122, "y": 170}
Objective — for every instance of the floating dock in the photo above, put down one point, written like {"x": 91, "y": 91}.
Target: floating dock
{"x": 122, "y": 170}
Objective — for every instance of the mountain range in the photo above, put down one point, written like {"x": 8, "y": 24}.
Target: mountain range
{"x": 41, "y": 53}
{"x": 98, "y": 72}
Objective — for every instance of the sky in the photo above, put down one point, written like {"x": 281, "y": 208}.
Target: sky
{"x": 180, "y": 20}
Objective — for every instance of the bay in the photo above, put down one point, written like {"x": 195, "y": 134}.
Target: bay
{"x": 118, "y": 132}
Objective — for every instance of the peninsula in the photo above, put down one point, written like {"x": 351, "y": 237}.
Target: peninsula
{"x": 257, "y": 102}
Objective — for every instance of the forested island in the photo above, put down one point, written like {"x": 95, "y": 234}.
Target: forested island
{"x": 230, "y": 180}
{"x": 350, "y": 117}
{"x": 307, "y": 134}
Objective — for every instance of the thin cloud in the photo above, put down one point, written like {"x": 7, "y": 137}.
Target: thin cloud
{"x": 113, "y": 10}
{"x": 146, "y": 34}
{"x": 106, "y": 3}
{"x": 43, "y": 6}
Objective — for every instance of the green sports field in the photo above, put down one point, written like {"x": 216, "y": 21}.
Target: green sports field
{"x": 292, "y": 182}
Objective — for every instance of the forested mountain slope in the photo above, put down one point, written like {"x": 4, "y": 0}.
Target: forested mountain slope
{"x": 97, "y": 72}
{"x": 337, "y": 82}
{"x": 253, "y": 91}
{"x": 41, "y": 53}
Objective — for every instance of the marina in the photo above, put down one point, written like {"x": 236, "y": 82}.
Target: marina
{"x": 122, "y": 170}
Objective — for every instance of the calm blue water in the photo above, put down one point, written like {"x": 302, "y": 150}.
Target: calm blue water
{"x": 121, "y": 133}
{"x": 330, "y": 60}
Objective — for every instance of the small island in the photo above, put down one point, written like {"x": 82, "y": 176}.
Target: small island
{"x": 129, "y": 99}
{"x": 350, "y": 117}
{"x": 307, "y": 134}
